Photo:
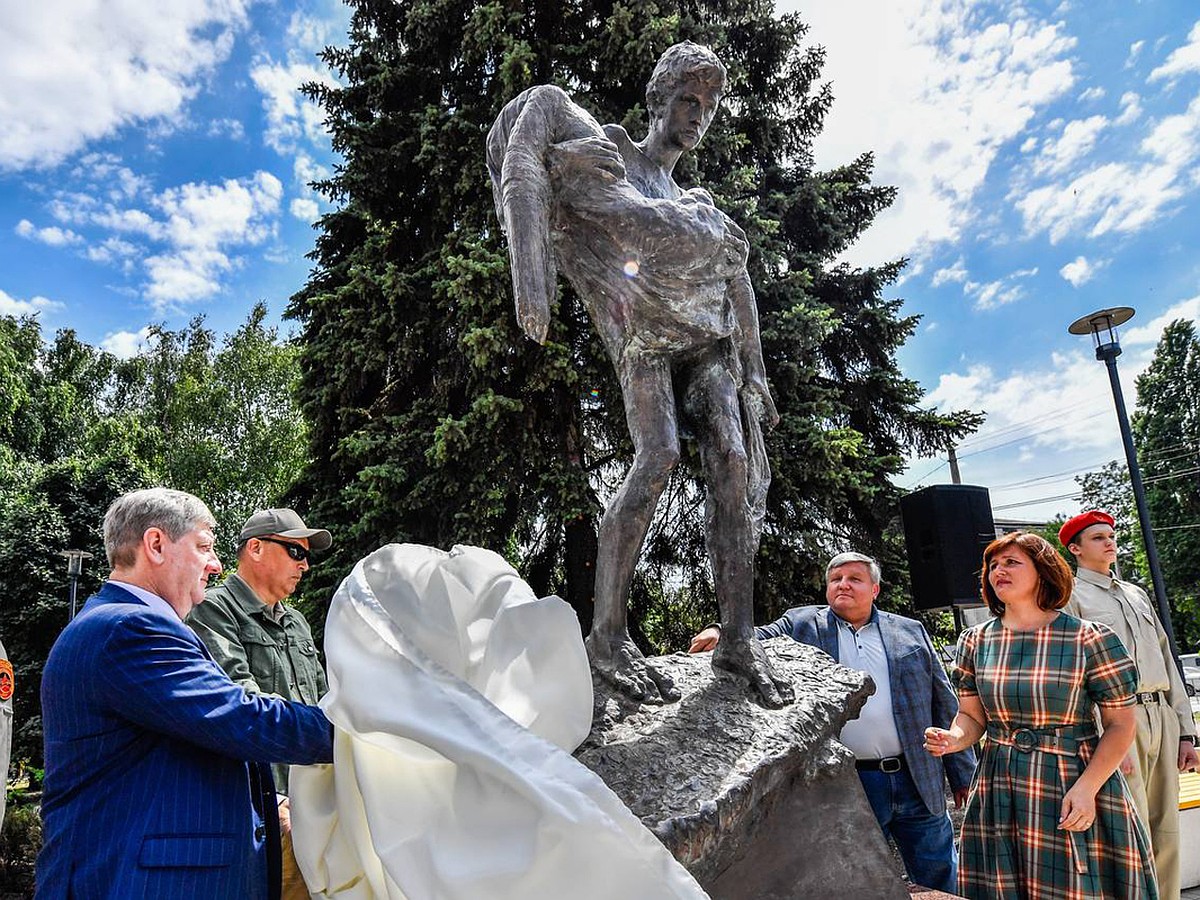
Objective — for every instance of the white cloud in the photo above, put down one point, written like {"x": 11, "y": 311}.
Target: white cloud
{"x": 291, "y": 117}
{"x": 1076, "y": 141}
{"x": 186, "y": 238}
{"x": 110, "y": 176}
{"x": 953, "y": 273}
{"x": 1148, "y": 335}
{"x": 1121, "y": 197}
{"x": 304, "y": 209}
{"x": 204, "y": 221}
{"x": 1081, "y": 270}
{"x": 1046, "y": 407}
{"x": 1135, "y": 50}
{"x": 295, "y": 124}
{"x": 74, "y": 72}
{"x": 209, "y": 215}
{"x": 230, "y": 128}
{"x": 1131, "y": 108}
{"x": 1182, "y": 60}
{"x": 113, "y": 250}
{"x": 51, "y": 235}
{"x": 1092, "y": 93}
{"x": 11, "y": 306}
{"x": 126, "y": 344}
{"x": 1046, "y": 423}
{"x": 935, "y": 90}
{"x": 1001, "y": 292}
{"x": 310, "y": 34}
{"x": 184, "y": 275}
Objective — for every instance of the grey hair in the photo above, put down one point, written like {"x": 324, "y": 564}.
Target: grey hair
{"x": 843, "y": 558}
{"x": 132, "y": 514}
{"x": 679, "y": 63}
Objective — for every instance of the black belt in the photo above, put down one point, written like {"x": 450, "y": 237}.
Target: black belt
{"x": 889, "y": 765}
{"x": 1152, "y": 697}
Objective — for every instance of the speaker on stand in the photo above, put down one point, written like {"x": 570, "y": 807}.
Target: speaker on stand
{"x": 946, "y": 528}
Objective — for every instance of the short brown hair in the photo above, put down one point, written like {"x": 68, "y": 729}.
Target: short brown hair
{"x": 1055, "y": 580}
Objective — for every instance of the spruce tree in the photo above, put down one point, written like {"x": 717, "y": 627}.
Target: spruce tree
{"x": 432, "y": 419}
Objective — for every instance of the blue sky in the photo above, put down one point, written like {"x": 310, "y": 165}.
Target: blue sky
{"x": 155, "y": 166}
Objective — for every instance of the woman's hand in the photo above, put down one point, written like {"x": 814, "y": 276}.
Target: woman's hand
{"x": 940, "y": 741}
{"x": 1078, "y": 808}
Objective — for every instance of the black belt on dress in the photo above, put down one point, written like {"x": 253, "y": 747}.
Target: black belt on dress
{"x": 1062, "y": 740}
{"x": 1152, "y": 697}
{"x": 889, "y": 765}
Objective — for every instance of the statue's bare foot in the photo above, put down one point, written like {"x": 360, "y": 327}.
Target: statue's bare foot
{"x": 746, "y": 659}
{"x": 620, "y": 662}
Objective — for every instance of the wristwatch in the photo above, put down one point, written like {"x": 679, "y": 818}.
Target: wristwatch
{"x": 1190, "y": 738}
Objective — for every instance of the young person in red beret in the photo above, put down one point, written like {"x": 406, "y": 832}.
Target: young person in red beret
{"x": 1164, "y": 744}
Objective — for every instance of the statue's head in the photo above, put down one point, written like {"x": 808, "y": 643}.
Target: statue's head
{"x": 684, "y": 92}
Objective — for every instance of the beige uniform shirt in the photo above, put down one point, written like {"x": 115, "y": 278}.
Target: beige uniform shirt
{"x": 1126, "y": 609}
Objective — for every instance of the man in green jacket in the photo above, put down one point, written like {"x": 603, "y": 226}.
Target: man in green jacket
{"x": 265, "y": 645}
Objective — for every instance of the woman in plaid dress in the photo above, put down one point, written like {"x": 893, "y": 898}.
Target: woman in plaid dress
{"x": 1048, "y": 817}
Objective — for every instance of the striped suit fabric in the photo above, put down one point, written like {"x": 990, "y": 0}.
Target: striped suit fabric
{"x": 153, "y": 758}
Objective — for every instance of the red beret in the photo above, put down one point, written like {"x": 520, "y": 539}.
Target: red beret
{"x": 1071, "y": 528}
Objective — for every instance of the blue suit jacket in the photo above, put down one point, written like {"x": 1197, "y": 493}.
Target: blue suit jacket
{"x": 921, "y": 692}
{"x": 148, "y": 792}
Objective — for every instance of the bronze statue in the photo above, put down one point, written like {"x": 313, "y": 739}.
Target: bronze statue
{"x": 663, "y": 274}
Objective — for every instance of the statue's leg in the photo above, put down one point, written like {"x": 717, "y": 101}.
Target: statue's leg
{"x": 650, "y": 413}
{"x": 714, "y": 410}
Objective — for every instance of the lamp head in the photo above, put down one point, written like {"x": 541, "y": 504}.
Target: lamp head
{"x": 1102, "y": 326}
{"x": 75, "y": 560}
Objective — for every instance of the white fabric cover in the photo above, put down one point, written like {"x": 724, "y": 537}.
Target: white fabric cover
{"x": 457, "y": 696}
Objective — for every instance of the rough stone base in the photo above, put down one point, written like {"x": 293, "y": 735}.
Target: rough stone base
{"x": 759, "y": 804}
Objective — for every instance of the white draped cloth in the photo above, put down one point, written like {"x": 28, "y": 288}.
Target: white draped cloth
{"x": 456, "y": 697}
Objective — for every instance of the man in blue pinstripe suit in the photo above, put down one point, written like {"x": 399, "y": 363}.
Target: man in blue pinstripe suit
{"x": 157, "y": 780}
{"x": 904, "y": 784}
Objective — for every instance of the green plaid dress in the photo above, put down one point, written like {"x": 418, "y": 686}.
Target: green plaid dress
{"x": 1039, "y": 689}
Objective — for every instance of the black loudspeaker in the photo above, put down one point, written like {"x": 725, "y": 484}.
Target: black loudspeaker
{"x": 946, "y": 528}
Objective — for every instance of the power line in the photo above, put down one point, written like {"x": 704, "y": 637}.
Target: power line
{"x": 1156, "y": 452}
{"x": 1028, "y": 436}
{"x": 1074, "y": 496}
{"x": 1162, "y": 460}
{"x": 1077, "y": 495}
{"x": 1087, "y": 469}
{"x": 1167, "y": 477}
{"x": 1017, "y": 426}
{"x": 927, "y": 474}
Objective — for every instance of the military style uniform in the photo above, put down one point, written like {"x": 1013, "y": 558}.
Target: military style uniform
{"x": 1163, "y": 710}
{"x": 267, "y": 650}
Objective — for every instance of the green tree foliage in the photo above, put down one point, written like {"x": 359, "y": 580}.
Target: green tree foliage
{"x": 433, "y": 420}
{"x": 78, "y": 427}
{"x": 1166, "y": 428}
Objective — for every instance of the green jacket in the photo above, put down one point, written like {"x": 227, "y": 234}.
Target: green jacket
{"x": 260, "y": 654}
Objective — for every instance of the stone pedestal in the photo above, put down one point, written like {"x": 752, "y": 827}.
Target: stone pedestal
{"x": 759, "y": 804}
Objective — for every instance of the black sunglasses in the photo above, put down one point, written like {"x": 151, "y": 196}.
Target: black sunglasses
{"x": 295, "y": 551}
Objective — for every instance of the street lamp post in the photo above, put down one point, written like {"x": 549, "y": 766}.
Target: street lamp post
{"x": 1102, "y": 326}
{"x": 75, "y": 560}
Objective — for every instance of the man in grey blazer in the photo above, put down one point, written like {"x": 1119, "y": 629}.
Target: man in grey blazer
{"x": 904, "y": 784}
